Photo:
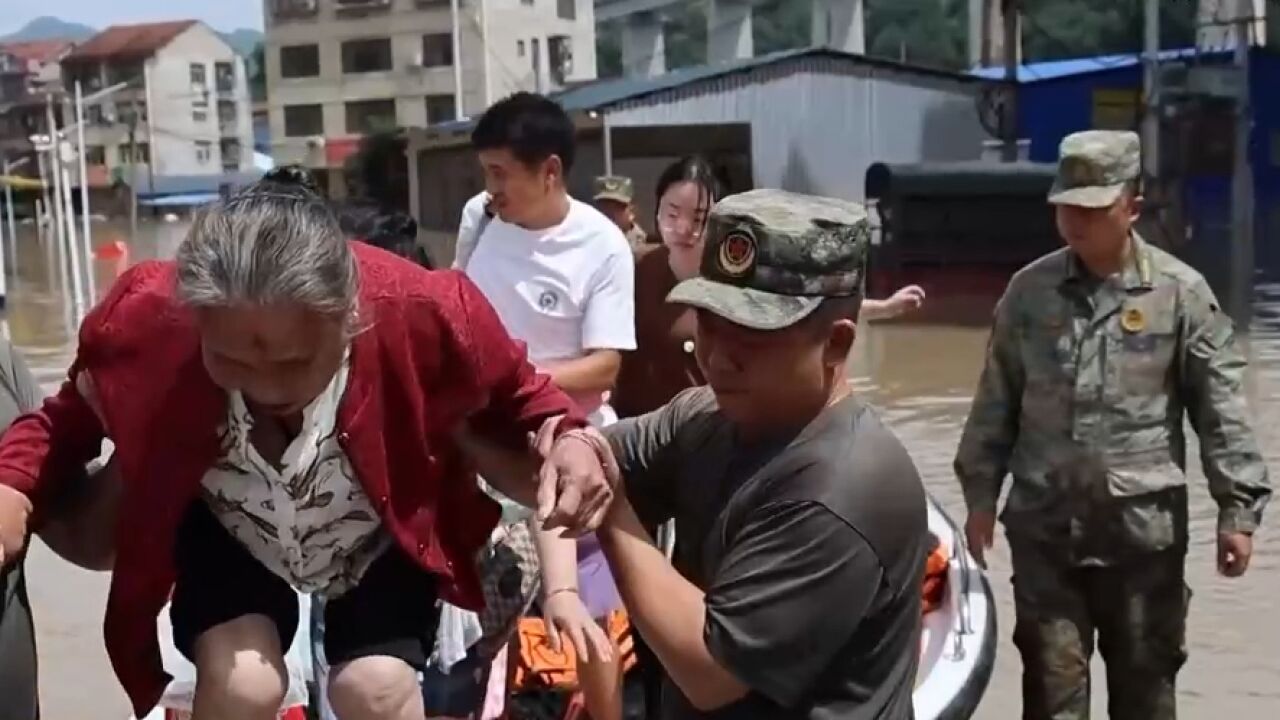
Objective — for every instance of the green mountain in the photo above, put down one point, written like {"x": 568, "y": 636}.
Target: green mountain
{"x": 50, "y": 28}
{"x": 244, "y": 40}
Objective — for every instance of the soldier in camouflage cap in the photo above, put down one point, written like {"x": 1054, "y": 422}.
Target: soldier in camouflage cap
{"x": 789, "y": 497}
{"x": 615, "y": 197}
{"x": 772, "y": 257}
{"x": 1097, "y": 353}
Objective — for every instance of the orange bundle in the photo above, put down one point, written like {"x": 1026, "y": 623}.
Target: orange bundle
{"x": 540, "y": 667}
{"x": 935, "y": 577}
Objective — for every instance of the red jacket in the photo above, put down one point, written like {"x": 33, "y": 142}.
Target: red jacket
{"x": 433, "y": 353}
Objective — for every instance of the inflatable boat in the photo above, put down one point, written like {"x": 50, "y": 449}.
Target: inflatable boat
{"x": 958, "y": 638}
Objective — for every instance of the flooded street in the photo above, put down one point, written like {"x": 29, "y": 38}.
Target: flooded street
{"x": 919, "y": 376}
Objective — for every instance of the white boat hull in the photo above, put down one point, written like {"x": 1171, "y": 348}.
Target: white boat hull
{"x": 958, "y": 640}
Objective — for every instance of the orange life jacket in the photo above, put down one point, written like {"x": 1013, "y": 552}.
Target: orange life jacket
{"x": 540, "y": 667}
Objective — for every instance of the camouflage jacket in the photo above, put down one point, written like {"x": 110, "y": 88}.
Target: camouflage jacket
{"x": 1082, "y": 400}
{"x": 637, "y": 238}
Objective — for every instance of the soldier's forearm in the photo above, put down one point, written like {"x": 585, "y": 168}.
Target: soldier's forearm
{"x": 1240, "y": 509}
{"x": 980, "y": 496}
{"x": 980, "y": 480}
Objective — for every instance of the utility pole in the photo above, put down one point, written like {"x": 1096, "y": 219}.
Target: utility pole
{"x": 8, "y": 201}
{"x": 457, "y": 61}
{"x": 1151, "y": 83}
{"x": 1242, "y": 180}
{"x": 1011, "y": 11}
{"x": 133, "y": 171}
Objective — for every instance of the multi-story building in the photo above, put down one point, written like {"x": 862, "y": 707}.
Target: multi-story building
{"x": 340, "y": 69}
{"x": 29, "y": 72}
{"x": 175, "y": 100}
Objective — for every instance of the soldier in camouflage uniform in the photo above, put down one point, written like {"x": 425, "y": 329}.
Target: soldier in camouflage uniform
{"x": 1098, "y": 351}
{"x": 615, "y": 197}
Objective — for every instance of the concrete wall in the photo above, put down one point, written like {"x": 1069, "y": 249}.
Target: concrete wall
{"x": 868, "y": 114}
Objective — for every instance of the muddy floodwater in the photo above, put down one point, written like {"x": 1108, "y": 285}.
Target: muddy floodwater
{"x": 920, "y": 376}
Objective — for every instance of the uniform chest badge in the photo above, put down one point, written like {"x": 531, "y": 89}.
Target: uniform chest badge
{"x": 737, "y": 254}
{"x": 1132, "y": 320}
{"x": 547, "y": 300}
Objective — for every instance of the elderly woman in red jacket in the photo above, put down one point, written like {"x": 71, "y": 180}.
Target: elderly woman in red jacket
{"x": 284, "y": 406}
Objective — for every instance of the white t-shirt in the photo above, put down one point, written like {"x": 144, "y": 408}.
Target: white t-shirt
{"x": 564, "y": 291}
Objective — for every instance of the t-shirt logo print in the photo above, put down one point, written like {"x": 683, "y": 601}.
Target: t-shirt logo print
{"x": 547, "y": 300}
{"x": 737, "y": 253}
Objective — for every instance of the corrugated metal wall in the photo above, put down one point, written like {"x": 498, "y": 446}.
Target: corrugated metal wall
{"x": 817, "y": 124}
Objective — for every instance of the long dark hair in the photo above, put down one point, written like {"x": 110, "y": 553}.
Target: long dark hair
{"x": 389, "y": 229}
{"x": 690, "y": 168}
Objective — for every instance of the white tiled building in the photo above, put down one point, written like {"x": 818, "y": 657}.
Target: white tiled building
{"x": 188, "y": 89}
{"x": 338, "y": 69}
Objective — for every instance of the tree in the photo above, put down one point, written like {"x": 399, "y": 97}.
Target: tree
{"x": 379, "y": 170}
{"x": 934, "y": 32}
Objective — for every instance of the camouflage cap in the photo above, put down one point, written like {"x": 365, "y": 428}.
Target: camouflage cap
{"x": 615, "y": 188}
{"x": 1093, "y": 167}
{"x": 772, "y": 257}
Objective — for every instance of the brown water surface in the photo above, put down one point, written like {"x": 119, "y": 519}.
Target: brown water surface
{"x": 920, "y": 376}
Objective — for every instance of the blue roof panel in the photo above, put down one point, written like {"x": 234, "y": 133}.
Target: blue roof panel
{"x": 1053, "y": 69}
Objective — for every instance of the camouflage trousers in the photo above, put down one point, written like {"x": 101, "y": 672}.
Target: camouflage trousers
{"x": 1137, "y": 613}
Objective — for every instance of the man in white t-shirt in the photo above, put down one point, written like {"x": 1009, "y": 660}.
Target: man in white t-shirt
{"x": 558, "y": 271}
{"x": 560, "y": 275}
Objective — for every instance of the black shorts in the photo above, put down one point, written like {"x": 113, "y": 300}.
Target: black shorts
{"x": 391, "y": 612}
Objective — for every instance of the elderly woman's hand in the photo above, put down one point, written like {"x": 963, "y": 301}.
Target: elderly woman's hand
{"x": 576, "y": 482}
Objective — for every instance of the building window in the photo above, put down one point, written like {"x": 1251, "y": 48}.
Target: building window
{"x": 535, "y": 59}
{"x": 224, "y": 77}
{"x": 300, "y": 61}
{"x": 200, "y": 116}
{"x": 143, "y": 156}
{"x": 95, "y": 155}
{"x": 370, "y": 116}
{"x": 441, "y": 108}
{"x": 303, "y": 120}
{"x": 199, "y": 75}
{"x": 437, "y": 50}
{"x": 519, "y": 48}
{"x": 122, "y": 73}
{"x": 204, "y": 152}
{"x": 94, "y": 115}
{"x": 567, "y": 9}
{"x": 294, "y": 8}
{"x": 230, "y": 155}
{"x": 366, "y": 56}
{"x": 125, "y": 113}
{"x": 227, "y": 114}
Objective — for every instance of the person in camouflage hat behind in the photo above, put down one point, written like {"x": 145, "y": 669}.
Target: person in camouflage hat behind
{"x": 790, "y": 497}
{"x": 1097, "y": 352}
{"x": 615, "y": 197}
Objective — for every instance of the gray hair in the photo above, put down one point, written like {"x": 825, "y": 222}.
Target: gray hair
{"x": 269, "y": 243}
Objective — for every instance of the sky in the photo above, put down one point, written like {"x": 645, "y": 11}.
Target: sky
{"x": 221, "y": 14}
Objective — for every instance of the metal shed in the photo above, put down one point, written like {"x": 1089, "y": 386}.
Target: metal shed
{"x": 810, "y": 120}
{"x": 819, "y": 117}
